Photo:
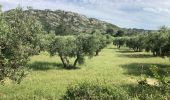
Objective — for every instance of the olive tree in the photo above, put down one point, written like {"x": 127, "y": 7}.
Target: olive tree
{"x": 158, "y": 42}
{"x": 18, "y": 33}
{"x": 76, "y": 47}
{"x": 4, "y": 31}
{"x": 100, "y": 42}
{"x": 85, "y": 46}
{"x": 136, "y": 43}
{"x": 45, "y": 41}
{"x": 65, "y": 47}
{"x": 119, "y": 41}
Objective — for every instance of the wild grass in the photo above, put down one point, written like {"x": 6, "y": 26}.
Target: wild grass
{"x": 48, "y": 80}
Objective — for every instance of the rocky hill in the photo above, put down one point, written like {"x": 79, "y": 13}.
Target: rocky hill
{"x": 62, "y": 22}
{"x": 66, "y": 23}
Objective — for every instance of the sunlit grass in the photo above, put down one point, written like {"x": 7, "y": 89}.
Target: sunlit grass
{"x": 48, "y": 80}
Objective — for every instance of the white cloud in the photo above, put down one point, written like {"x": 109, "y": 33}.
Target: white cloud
{"x": 157, "y": 10}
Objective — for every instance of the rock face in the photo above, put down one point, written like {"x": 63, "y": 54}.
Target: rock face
{"x": 70, "y": 23}
{"x": 62, "y": 22}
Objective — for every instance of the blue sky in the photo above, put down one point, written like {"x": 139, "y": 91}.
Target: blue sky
{"x": 146, "y": 14}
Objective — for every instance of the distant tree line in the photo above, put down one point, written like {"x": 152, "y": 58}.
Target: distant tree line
{"x": 157, "y": 42}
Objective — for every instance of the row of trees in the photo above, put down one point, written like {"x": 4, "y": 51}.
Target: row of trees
{"x": 157, "y": 42}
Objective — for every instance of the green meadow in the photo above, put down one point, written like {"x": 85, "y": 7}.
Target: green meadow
{"x": 48, "y": 80}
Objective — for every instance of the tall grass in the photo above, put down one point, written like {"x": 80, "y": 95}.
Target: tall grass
{"x": 48, "y": 80}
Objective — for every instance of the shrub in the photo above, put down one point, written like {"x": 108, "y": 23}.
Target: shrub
{"x": 147, "y": 91}
{"x": 144, "y": 91}
{"x": 94, "y": 91}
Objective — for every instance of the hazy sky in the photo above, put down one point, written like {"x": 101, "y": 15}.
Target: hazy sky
{"x": 147, "y": 14}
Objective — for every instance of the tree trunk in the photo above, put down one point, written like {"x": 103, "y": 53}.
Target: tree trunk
{"x": 97, "y": 53}
{"x": 157, "y": 52}
{"x": 75, "y": 62}
{"x": 160, "y": 52}
{"x": 62, "y": 59}
{"x": 153, "y": 53}
{"x": 119, "y": 46}
{"x": 67, "y": 61}
{"x": 2, "y": 71}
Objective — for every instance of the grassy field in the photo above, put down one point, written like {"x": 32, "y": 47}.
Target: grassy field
{"x": 48, "y": 80}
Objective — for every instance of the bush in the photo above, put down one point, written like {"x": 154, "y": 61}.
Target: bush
{"x": 145, "y": 91}
{"x": 158, "y": 90}
{"x": 94, "y": 91}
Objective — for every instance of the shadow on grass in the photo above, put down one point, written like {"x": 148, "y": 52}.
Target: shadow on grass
{"x": 125, "y": 51}
{"x": 115, "y": 48}
{"x": 47, "y": 66}
{"x": 137, "y": 69}
{"x": 136, "y": 55}
{"x": 132, "y": 54}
